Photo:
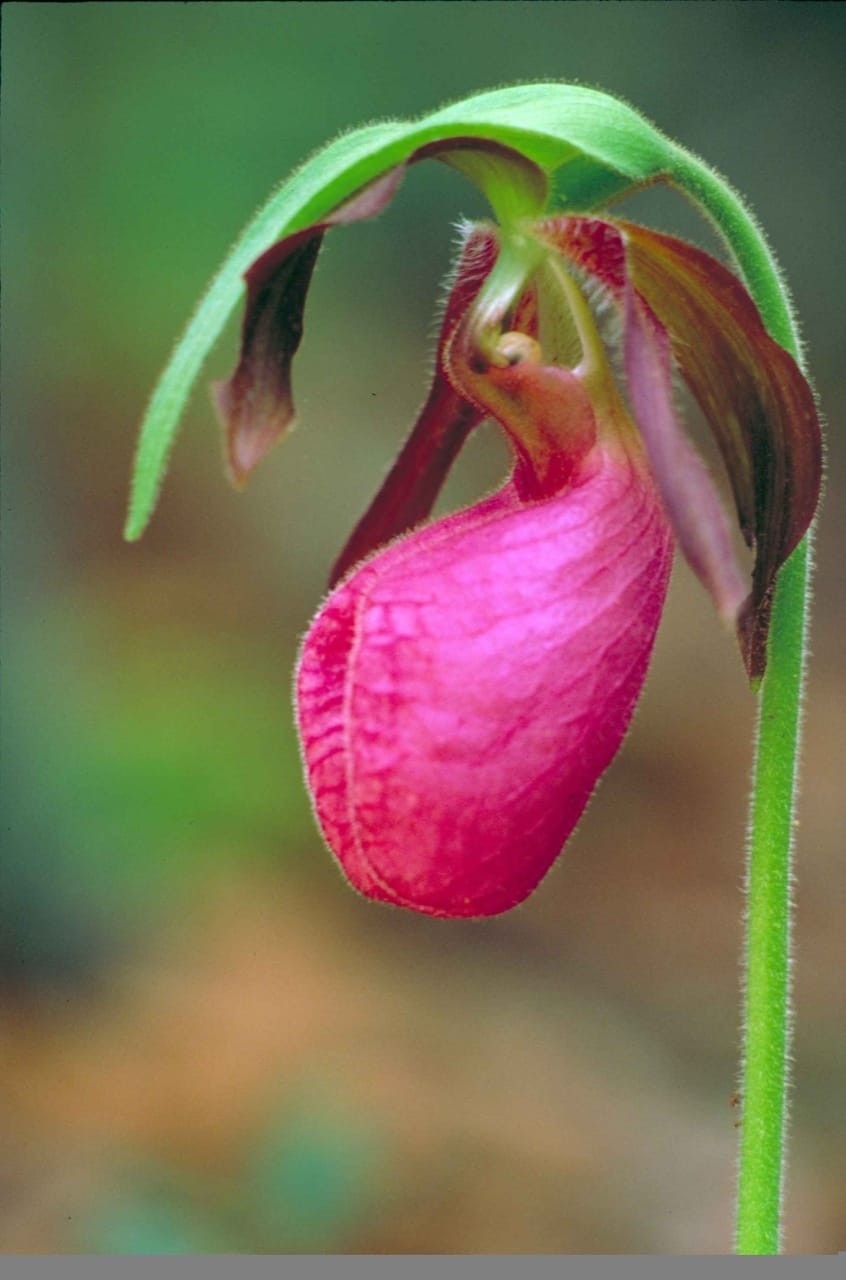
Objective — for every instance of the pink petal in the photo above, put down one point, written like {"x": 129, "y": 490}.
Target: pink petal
{"x": 461, "y": 693}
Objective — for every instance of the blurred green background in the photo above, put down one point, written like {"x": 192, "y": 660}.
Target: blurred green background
{"x": 208, "y": 1043}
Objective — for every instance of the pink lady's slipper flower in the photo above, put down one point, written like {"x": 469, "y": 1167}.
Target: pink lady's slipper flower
{"x": 467, "y": 682}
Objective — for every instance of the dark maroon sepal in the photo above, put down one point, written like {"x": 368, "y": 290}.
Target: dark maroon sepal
{"x": 753, "y": 394}
{"x": 698, "y": 517}
{"x": 256, "y": 403}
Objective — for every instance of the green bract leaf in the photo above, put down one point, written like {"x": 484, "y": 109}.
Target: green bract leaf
{"x": 591, "y": 146}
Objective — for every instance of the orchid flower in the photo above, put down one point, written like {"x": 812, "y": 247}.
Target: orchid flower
{"x": 468, "y": 680}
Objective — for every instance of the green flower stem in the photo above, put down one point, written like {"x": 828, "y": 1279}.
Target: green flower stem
{"x": 767, "y": 1022}
{"x": 768, "y": 877}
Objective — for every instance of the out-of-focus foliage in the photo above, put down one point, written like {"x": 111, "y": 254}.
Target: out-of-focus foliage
{"x": 209, "y": 1042}
{"x": 308, "y": 1176}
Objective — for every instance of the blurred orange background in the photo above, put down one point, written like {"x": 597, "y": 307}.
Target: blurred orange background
{"x": 209, "y": 1044}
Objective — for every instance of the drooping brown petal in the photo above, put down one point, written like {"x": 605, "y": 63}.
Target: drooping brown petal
{"x": 256, "y": 404}
{"x": 692, "y": 502}
{"x": 750, "y": 389}
{"x": 410, "y": 488}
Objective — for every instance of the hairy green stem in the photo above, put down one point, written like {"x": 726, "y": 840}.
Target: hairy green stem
{"x": 766, "y": 1014}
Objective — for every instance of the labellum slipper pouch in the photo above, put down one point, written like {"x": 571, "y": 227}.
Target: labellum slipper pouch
{"x": 460, "y": 693}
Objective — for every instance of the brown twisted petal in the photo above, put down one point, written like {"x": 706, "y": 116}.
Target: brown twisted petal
{"x": 754, "y": 396}
{"x": 698, "y": 517}
{"x": 256, "y": 404}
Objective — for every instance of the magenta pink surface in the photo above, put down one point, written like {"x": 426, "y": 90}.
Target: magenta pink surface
{"x": 460, "y": 694}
